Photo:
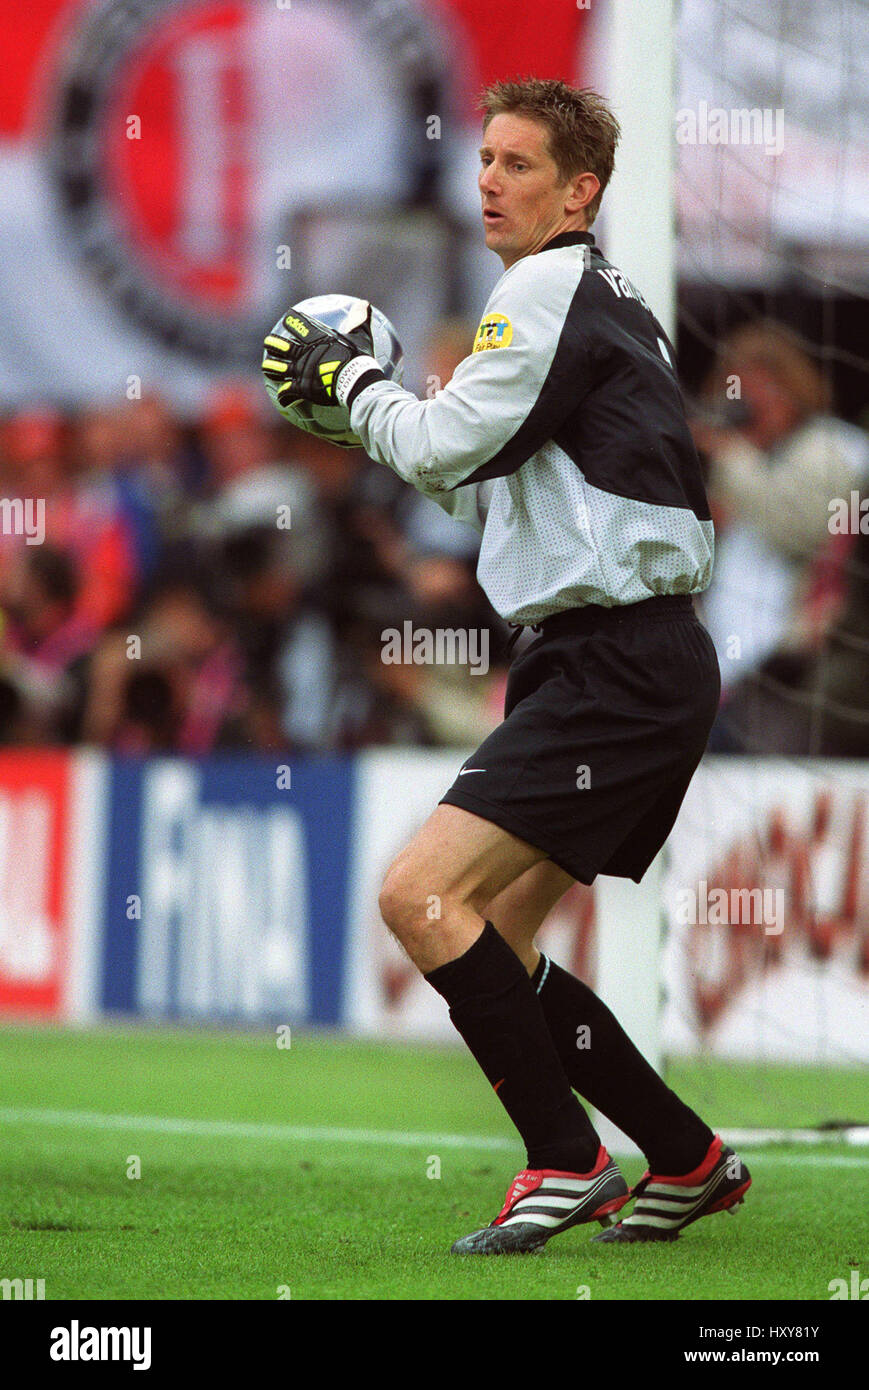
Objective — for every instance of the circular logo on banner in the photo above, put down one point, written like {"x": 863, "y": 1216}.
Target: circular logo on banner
{"x": 495, "y": 331}
{"x": 187, "y": 134}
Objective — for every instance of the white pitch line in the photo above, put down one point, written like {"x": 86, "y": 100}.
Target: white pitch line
{"x": 848, "y": 1134}
{"x": 811, "y": 1160}
{"x": 239, "y": 1129}
{"x": 388, "y": 1138}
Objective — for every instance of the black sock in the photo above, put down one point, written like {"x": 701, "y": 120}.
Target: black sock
{"x": 495, "y": 1008}
{"x": 605, "y": 1067}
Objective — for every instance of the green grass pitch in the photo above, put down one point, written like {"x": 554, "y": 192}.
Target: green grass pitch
{"x": 310, "y": 1172}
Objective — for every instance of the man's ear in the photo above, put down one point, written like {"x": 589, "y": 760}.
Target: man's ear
{"x": 581, "y": 191}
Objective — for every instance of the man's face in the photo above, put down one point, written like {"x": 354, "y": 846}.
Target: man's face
{"x": 524, "y": 201}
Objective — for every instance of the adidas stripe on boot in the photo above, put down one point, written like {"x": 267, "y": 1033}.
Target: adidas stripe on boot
{"x": 665, "y": 1205}
{"x": 543, "y": 1202}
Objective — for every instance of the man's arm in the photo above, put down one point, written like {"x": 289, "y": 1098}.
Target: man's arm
{"x": 503, "y": 402}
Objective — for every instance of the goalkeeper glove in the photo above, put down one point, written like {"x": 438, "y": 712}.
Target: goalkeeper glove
{"x": 316, "y": 363}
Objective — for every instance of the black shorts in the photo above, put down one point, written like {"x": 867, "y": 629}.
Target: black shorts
{"x": 606, "y": 718}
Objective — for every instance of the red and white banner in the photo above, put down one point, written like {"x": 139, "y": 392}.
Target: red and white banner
{"x": 163, "y": 162}
{"x": 51, "y": 817}
{"x": 34, "y": 902}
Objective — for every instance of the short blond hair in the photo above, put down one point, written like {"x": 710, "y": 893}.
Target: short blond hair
{"x": 583, "y": 132}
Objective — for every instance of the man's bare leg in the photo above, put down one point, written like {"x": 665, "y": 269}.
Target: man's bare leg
{"x": 436, "y": 890}
{"x": 434, "y": 898}
{"x": 520, "y": 910}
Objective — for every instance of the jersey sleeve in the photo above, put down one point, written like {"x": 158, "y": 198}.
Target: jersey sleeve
{"x": 504, "y": 401}
{"x": 466, "y": 503}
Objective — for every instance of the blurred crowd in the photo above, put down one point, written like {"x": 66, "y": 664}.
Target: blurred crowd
{"x": 225, "y": 583}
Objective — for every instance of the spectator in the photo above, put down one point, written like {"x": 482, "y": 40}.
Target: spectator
{"x": 34, "y": 452}
{"x": 364, "y": 547}
{"x": 777, "y": 458}
{"x": 252, "y": 486}
{"x": 69, "y": 473}
{"x": 91, "y": 520}
{"x": 287, "y": 643}
{"x": 178, "y": 685}
{"x": 841, "y": 678}
{"x": 35, "y": 466}
{"x": 160, "y": 480}
{"x": 45, "y": 638}
{"x": 378, "y": 702}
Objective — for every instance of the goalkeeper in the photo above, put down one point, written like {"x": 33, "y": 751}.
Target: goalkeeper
{"x": 563, "y": 439}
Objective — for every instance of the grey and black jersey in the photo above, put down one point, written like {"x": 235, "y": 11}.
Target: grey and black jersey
{"x": 562, "y": 437}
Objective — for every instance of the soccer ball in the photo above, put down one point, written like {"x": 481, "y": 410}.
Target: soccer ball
{"x": 332, "y": 422}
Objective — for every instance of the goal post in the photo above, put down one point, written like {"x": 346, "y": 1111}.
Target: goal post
{"x": 632, "y": 64}
{"x": 629, "y": 935}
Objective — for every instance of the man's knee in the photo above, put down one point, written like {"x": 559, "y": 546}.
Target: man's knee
{"x": 394, "y": 896}
{"x": 413, "y": 904}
